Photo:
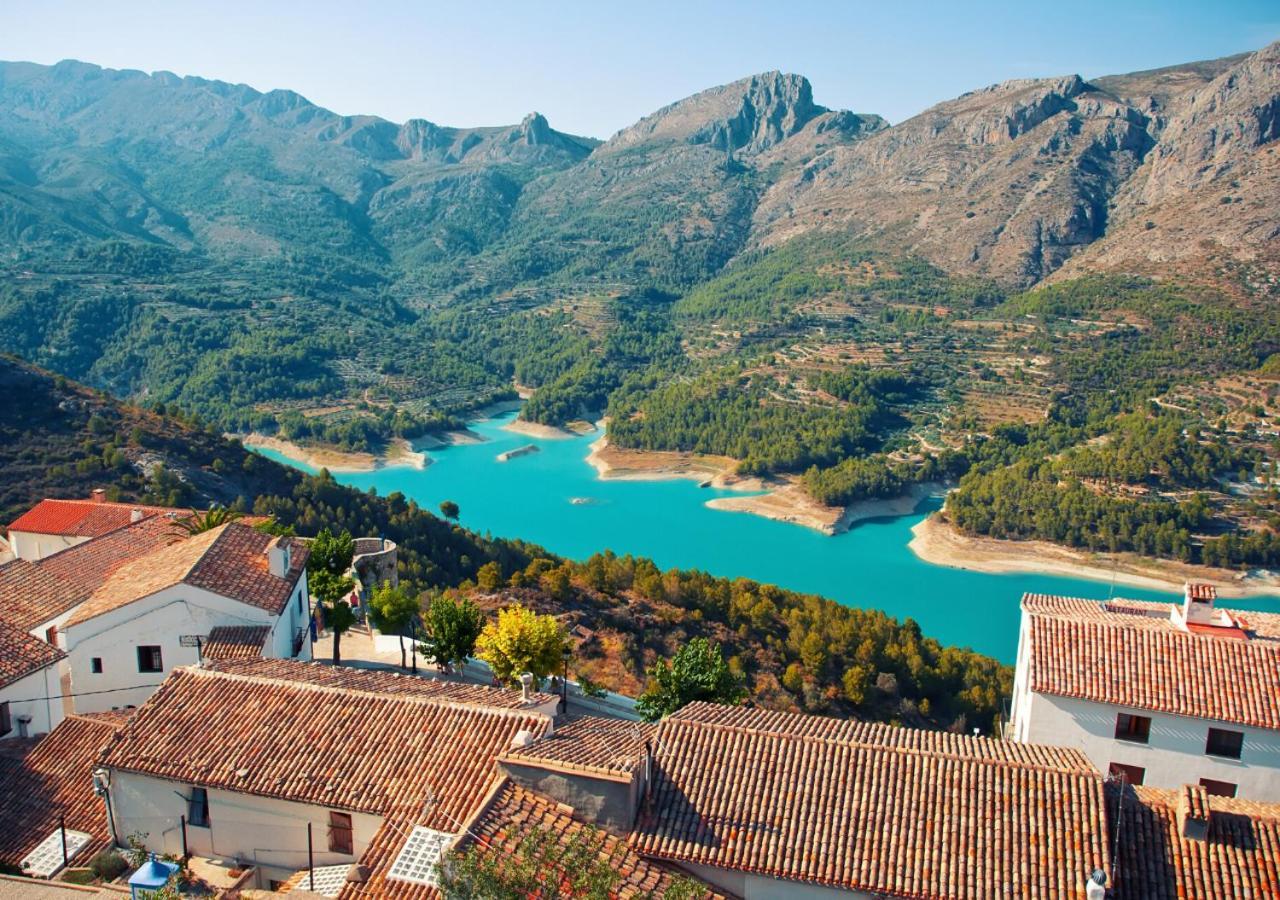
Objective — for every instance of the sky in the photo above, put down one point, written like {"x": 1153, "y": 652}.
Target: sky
{"x": 595, "y": 67}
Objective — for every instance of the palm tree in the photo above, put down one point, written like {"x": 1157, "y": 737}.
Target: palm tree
{"x": 199, "y": 522}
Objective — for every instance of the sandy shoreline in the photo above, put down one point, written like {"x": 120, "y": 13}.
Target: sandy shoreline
{"x": 400, "y": 454}
{"x": 781, "y": 499}
{"x": 935, "y": 541}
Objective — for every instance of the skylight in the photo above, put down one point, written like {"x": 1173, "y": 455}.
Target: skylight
{"x": 418, "y": 858}
{"x": 47, "y": 858}
{"x": 328, "y": 879}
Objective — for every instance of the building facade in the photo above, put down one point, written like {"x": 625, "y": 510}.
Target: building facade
{"x": 1154, "y": 694}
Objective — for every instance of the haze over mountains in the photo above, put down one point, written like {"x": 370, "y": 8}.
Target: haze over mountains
{"x": 1011, "y": 181}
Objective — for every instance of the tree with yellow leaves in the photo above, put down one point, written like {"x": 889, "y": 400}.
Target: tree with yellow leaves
{"x": 520, "y": 641}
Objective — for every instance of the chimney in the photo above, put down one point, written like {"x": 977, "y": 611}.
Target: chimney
{"x": 1193, "y": 812}
{"x": 135, "y": 515}
{"x": 523, "y": 738}
{"x": 278, "y": 559}
{"x": 526, "y": 682}
{"x": 97, "y": 495}
{"x": 1095, "y": 888}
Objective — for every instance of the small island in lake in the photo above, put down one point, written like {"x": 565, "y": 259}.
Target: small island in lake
{"x": 519, "y": 451}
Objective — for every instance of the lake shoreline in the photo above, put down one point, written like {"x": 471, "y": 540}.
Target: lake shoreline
{"x": 782, "y": 499}
{"x": 401, "y": 454}
{"x": 937, "y": 542}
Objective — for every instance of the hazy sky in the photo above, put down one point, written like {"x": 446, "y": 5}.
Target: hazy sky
{"x": 595, "y": 67}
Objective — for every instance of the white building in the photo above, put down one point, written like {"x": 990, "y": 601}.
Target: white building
{"x": 52, "y": 526}
{"x": 1156, "y": 693}
{"x": 154, "y": 613}
{"x": 275, "y": 762}
{"x": 29, "y": 684}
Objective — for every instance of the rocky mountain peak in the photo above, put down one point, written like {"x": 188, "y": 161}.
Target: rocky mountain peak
{"x": 534, "y": 129}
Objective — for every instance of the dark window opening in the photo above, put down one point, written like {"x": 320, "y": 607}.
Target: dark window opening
{"x": 1127, "y": 774}
{"x": 1218, "y": 788}
{"x": 149, "y": 659}
{"x": 198, "y": 808}
{"x": 95, "y": 665}
{"x": 340, "y": 834}
{"x": 1133, "y": 728}
{"x": 1226, "y": 743}
{"x": 6, "y": 725}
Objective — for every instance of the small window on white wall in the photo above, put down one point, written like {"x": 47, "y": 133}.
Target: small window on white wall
{"x": 150, "y": 659}
{"x": 95, "y": 665}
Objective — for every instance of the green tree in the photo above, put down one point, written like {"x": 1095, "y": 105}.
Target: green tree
{"x": 697, "y": 672}
{"x": 199, "y": 522}
{"x": 489, "y": 577}
{"x": 327, "y": 578}
{"x": 393, "y": 610}
{"x": 452, "y": 626}
{"x": 520, "y": 640}
{"x": 449, "y": 510}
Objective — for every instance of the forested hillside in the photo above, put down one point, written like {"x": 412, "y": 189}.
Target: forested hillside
{"x": 835, "y": 302}
{"x": 59, "y": 439}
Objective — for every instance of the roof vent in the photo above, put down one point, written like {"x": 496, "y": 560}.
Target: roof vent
{"x": 1193, "y": 812}
{"x": 526, "y": 683}
{"x": 97, "y": 495}
{"x": 135, "y": 515}
{"x": 523, "y": 738}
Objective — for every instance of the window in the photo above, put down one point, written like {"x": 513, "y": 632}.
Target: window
{"x": 1218, "y": 788}
{"x": 340, "y": 833}
{"x": 1133, "y": 728}
{"x": 5, "y": 724}
{"x": 1226, "y": 743}
{"x": 198, "y": 808}
{"x": 1127, "y": 774}
{"x": 149, "y": 659}
{"x": 95, "y": 665}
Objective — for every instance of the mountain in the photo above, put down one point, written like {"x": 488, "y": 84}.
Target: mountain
{"x": 89, "y": 153}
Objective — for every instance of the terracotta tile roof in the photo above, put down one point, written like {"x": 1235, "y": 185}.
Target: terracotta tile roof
{"x": 235, "y": 642}
{"x": 32, "y": 593}
{"x": 1238, "y": 857}
{"x": 21, "y": 654}
{"x": 514, "y": 812}
{"x": 879, "y": 734}
{"x": 325, "y": 675}
{"x": 612, "y": 748}
{"x": 374, "y": 751}
{"x": 55, "y": 779}
{"x": 229, "y": 560}
{"x": 83, "y": 518}
{"x": 903, "y": 820}
{"x": 1128, "y": 653}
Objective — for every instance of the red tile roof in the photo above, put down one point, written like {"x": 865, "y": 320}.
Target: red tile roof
{"x": 55, "y": 779}
{"x": 230, "y": 560}
{"x": 366, "y": 748}
{"x": 612, "y": 748}
{"x": 1128, "y": 653}
{"x": 21, "y": 654}
{"x": 514, "y": 813}
{"x": 953, "y": 819}
{"x": 36, "y": 592}
{"x": 235, "y": 642}
{"x": 82, "y": 518}
{"x": 325, "y": 675}
{"x": 1239, "y": 856}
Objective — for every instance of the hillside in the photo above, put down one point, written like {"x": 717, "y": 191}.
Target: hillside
{"x": 60, "y": 439}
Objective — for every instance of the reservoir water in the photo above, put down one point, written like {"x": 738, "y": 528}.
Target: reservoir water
{"x": 553, "y": 498}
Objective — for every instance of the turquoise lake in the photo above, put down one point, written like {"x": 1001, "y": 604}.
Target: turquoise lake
{"x": 870, "y": 566}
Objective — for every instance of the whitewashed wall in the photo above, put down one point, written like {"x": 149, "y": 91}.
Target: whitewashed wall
{"x": 159, "y": 620}
{"x": 26, "y": 698}
{"x": 31, "y": 546}
{"x": 260, "y": 830}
